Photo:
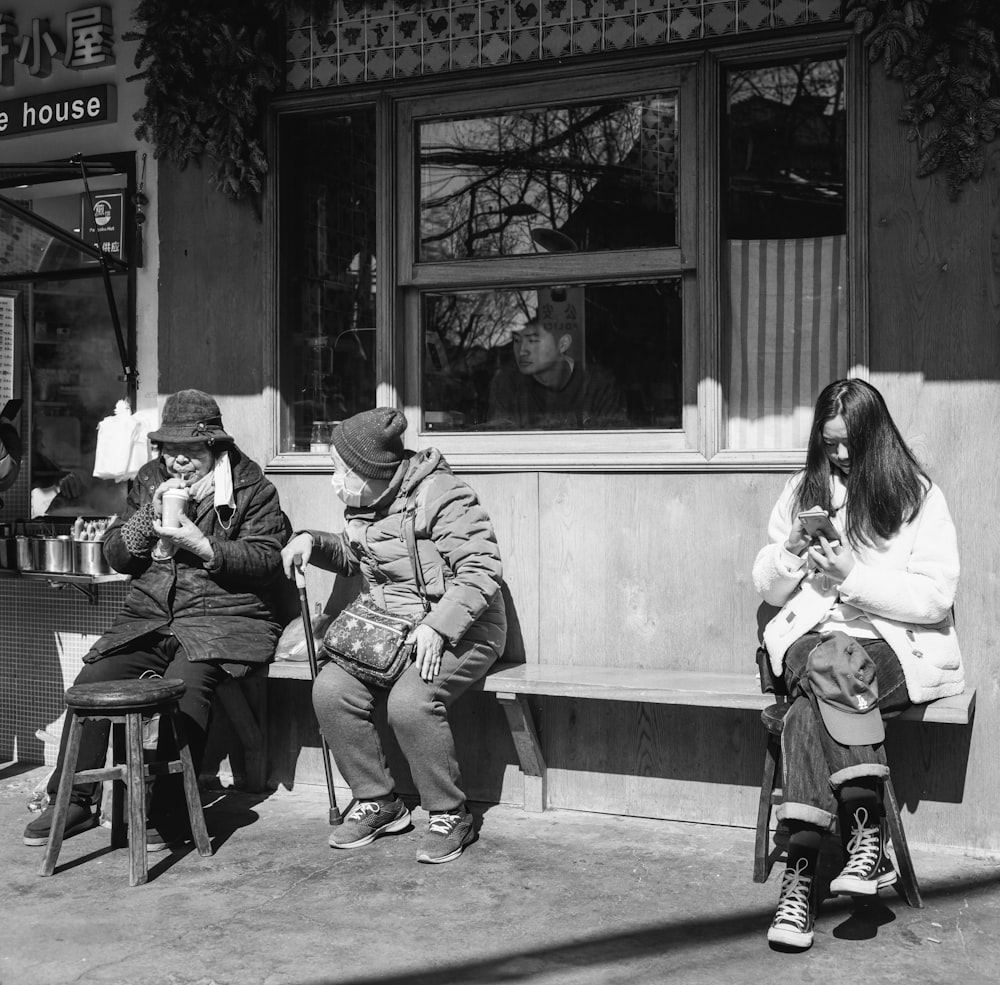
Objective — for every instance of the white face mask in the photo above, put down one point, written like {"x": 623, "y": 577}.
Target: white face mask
{"x": 351, "y": 489}
{"x": 355, "y": 490}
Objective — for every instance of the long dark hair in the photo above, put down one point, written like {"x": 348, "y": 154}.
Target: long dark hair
{"x": 886, "y": 486}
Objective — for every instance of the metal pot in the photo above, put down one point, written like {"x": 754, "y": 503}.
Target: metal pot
{"x": 88, "y": 558}
{"x": 8, "y": 548}
{"x": 24, "y": 558}
{"x": 52, "y": 554}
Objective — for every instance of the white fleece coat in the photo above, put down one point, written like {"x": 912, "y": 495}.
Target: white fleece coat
{"x": 905, "y": 585}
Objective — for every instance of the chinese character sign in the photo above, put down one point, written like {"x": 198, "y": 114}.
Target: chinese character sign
{"x": 86, "y": 42}
{"x": 88, "y": 38}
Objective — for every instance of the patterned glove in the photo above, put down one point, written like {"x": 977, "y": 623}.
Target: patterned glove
{"x": 137, "y": 531}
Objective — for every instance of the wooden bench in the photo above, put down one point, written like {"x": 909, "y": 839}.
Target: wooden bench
{"x": 513, "y": 684}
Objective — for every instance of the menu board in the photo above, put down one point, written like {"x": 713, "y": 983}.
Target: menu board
{"x": 8, "y": 326}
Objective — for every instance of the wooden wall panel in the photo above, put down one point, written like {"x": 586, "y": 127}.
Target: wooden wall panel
{"x": 935, "y": 354}
{"x": 651, "y": 570}
{"x": 213, "y": 332}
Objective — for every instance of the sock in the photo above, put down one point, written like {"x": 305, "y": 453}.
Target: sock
{"x": 803, "y": 843}
{"x": 451, "y": 810}
{"x": 863, "y": 792}
{"x": 386, "y": 799}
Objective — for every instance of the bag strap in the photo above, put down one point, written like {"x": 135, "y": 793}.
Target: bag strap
{"x": 409, "y": 523}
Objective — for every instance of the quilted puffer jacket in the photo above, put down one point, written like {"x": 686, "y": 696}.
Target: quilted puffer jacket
{"x": 455, "y": 543}
{"x": 225, "y": 609}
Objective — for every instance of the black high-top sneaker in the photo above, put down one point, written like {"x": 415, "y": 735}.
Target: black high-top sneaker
{"x": 868, "y": 868}
{"x": 793, "y": 921}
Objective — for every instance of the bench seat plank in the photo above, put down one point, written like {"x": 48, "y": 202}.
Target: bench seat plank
{"x": 655, "y": 686}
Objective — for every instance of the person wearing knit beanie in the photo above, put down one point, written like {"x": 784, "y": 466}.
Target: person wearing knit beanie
{"x": 425, "y": 549}
{"x": 371, "y": 443}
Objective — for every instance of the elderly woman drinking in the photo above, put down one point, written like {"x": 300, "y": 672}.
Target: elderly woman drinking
{"x": 202, "y": 603}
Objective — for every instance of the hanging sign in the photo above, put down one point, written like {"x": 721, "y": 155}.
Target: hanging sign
{"x": 103, "y": 226}
{"x": 73, "y": 108}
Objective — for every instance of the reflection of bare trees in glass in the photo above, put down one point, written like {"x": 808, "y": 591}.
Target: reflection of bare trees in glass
{"x": 508, "y": 184}
{"x": 487, "y": 181}
{"x": 786, "y": 149}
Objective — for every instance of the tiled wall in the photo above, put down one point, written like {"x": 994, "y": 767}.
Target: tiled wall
{"x": 46, "y": 632}
{"x": 375, "y": 40}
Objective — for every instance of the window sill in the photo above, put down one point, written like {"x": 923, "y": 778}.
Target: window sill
{"x": 462, "y": 458}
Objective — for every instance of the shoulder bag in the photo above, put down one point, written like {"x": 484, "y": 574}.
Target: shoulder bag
{"x": 369, "y": 642}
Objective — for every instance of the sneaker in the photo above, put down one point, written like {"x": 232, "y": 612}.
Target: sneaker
{"x": 79, "y": 817}
{"x": 792, "y": 925}
{"x": 868, "y": 868}
{"x": 447, "y": 835}
{"x": 367, "y": 820}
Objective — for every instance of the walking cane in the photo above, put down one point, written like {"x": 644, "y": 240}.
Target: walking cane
{"x": 300, "y": 584}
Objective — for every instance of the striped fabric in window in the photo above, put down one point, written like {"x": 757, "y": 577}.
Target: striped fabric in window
{"x": 788, "y": 319}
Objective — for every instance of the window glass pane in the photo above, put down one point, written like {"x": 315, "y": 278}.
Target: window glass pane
{"x": 596, "y": 177}
{"x": 327, "y": 272}
{"x": 575, "y": 356}
{"x": 786, "y": 215}
{"x": 30, "y": 247}
{"x": 75, "y": 370}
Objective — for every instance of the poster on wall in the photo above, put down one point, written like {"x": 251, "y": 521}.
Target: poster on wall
{"x": 8, "y": 329}
{"x": 102, "y": 225}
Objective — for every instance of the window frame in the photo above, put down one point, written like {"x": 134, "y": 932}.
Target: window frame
{"x": 698, "y": 445}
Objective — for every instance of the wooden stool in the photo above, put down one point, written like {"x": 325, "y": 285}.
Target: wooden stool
{"x": 773, "y": 719}
{"x": 125, "y": 704}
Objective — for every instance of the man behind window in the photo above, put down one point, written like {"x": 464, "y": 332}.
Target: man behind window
{"x": 549, "y": 389}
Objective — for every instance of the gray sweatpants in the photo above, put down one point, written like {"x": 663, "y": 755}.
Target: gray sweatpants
{"x": 417, "y": 713}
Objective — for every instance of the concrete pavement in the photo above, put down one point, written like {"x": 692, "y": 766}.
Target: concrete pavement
{"x": 561, "y": 898}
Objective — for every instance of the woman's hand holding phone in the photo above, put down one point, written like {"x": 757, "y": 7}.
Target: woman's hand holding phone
{"x": 833, "y": 559}
{"x": 798, "y": 538}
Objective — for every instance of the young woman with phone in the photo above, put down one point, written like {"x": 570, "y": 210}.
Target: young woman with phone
{"x": 865, "y": 626}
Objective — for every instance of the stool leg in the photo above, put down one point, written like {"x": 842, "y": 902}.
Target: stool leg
{"x": 119, "y": 757}
{"x": 135, "y": 774}
{"x": 195, "y": 813}
{"x": 761, "y": 856}
{"x": 62, "y": 797}
{"x": 909, "y": 889}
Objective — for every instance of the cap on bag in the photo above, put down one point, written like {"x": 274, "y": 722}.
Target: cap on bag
{"x": 842, "y": 676}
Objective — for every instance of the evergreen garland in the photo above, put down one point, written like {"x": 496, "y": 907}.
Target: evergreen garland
{"x": 945, "y": 54}
{"x": 207, "y": 66}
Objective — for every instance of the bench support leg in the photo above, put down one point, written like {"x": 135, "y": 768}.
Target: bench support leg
{"x": 529, "y": 749}
{"x": 907, "y": 885}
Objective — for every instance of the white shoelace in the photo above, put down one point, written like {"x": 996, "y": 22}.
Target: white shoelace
{"x": 864, "y": 847}
{"x": 443, "y": 824}
{"x": 365, "y": 809}
{"x": 793, "y": 906}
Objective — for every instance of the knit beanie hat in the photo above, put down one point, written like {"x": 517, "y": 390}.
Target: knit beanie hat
{"x": 371, "y": 443}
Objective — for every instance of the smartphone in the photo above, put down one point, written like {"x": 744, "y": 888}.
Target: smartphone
{"x": 818, "y": 522}
{"x": 11, "y": 409}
